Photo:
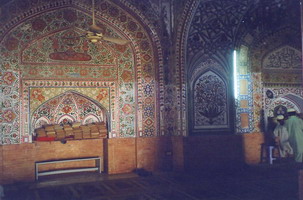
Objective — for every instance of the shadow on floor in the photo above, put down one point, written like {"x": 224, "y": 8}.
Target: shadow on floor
{"x": 262, "y": 182}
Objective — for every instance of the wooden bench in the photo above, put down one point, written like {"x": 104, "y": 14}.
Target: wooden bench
{"x": 98, "y": 167}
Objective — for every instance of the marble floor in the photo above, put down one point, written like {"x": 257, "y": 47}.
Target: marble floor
{"x": 262, "y": 182}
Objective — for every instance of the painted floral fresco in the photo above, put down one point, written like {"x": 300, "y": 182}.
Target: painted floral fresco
{"x": 210, "y": 101}
{"x": 70, "y": 106}
{"x": 47, "y": 55}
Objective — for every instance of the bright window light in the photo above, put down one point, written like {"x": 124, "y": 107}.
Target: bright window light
{"x": 235, "y": 75}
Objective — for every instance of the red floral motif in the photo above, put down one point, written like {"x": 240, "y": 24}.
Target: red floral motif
{"x": 8, "y": 116}
{"x": 146, "y": 57}
{"x": 121, "y": 48}
{"x": 148, "y": 78}
{"x": 66, "y": 121}
{"x": 106, "y": 72}
{"x": 11, "y": 44}
{"x": 53, "y": 102}
{"x": 6, "y": 66}
{"x": 66, "y": 109}
{"x": 59, "y": 72}
{"x": 148, "y": 122}
{"x": 33, "y": 71}
{"x": 148, "y": 100}
{"x": 102, "y": 94}
{"x": 37, "y": 94}
{"x": 127, "y": 109}
{"x": 38, "y": 25}
{"x": 81, "y": 101}
{"x": 8, "y": 78}
{"x": 70, "y": 16}
{"x": 83, "y": 72}
{"x": 126, "y": 76}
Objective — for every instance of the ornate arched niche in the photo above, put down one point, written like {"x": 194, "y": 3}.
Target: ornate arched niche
{"x": 277, "y": 100}
{"x": 280, "y": 103}
{"x": 68, "y": 107}
{"x": 209, "y": 100}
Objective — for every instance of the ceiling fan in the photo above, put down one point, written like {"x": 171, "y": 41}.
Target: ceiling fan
{"x": 94, "y": 34}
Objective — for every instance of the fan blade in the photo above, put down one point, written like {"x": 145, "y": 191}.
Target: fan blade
{"x": 89, "y": 33}
{"x": 96, "y": 29}
{"x": 116, "y": 40}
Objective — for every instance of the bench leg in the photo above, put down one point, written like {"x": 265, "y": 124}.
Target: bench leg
{"x": 99, "y": 164}
{"x": 271, "y": 157}
{"x": 36, "y": 171}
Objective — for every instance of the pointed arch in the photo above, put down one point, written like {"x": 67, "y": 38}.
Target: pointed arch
{"x": 70, "y": 106}
{"x": 209, "y": 99}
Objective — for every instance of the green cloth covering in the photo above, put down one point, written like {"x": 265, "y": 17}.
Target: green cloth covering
{"x": 294, "y": 127}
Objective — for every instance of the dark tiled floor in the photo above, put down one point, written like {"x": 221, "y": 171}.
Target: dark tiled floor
{"x": 262, "y": 182}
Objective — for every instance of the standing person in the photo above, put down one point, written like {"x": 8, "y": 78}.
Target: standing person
{"x": 300, "y": 115}
{"x": 294, "y": 126}
{"x": 281, "y": 137}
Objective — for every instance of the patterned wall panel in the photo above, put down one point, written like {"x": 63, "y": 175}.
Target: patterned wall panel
{"x": 68, "y": 107}
{"x": 210, "y": 102}
{"x": 181, "y": 123}
{"x": 9, "y": 106}
{"x": 42, "y": 41}
{"x": 214, "y": 26}
{"x": 171, "y": 112}
{"x": 282, "y": 65}
{"x": 258, "y": 101}
{"x": 212, "y": 34}
{"x": 271, "y": 69}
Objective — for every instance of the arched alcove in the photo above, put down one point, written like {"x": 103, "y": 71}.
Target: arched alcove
{"x": 209, "y": 99}
{"x": 70, "y": 107}
{"x": 287, "y": 101}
